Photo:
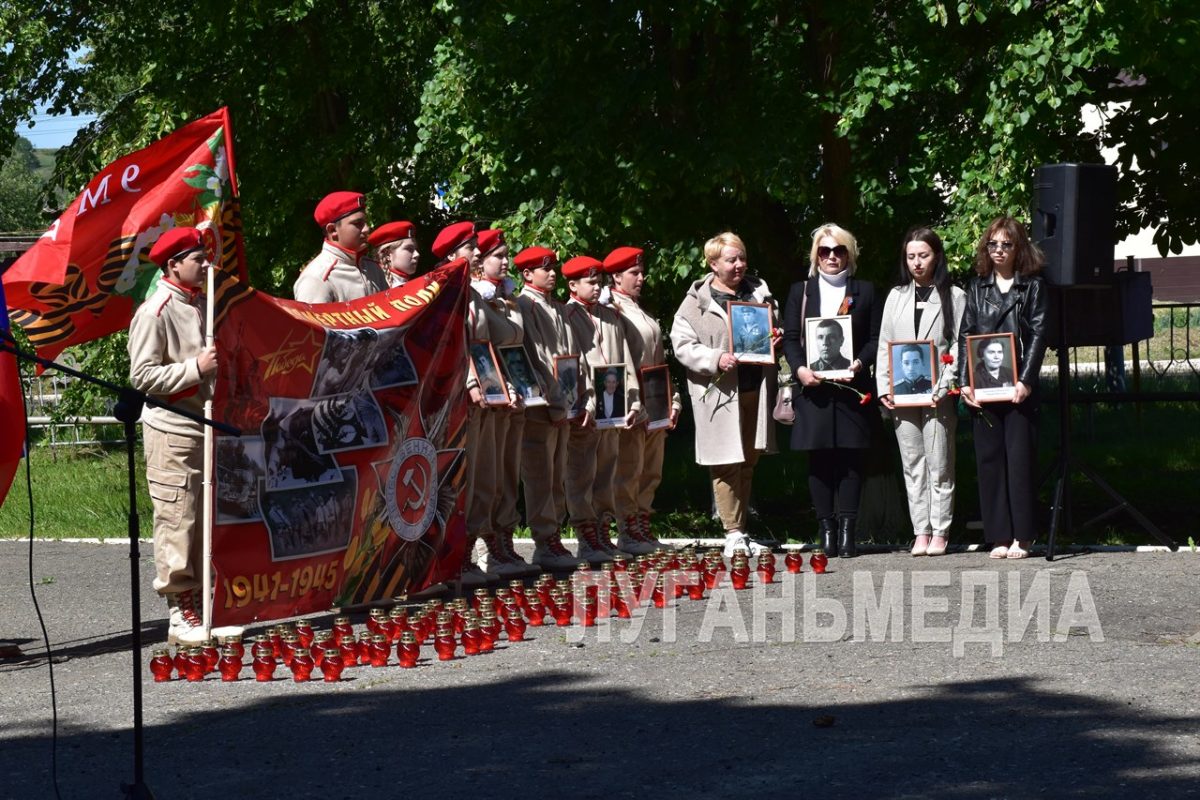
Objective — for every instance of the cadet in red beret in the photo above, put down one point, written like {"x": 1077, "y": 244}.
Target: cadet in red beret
{"x": 497, "y": 422}
{"x": 457, "y": 241}
{"x": 544, "y": 448}
{"x": 340, "y": 271}
{"x": 395, "y": 251}
{"x": 640, "y": 460}
{"x": 170, "y": 360}
{"x": 592, "y": 450}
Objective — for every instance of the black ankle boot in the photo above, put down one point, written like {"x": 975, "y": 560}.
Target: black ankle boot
{"x": 828, "y": 536}
{"x": 846, "y": 546}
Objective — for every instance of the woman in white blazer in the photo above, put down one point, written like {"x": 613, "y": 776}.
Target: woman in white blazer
{"x": 925, "y": 306}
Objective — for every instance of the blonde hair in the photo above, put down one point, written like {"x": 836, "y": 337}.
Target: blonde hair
{"x": 839, "y": 235}
{"x": 713, "y": 247}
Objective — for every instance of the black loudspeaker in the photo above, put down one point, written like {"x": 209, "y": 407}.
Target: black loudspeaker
{"x": 1074, "y": 222}
{"x": 1121, "y": 313}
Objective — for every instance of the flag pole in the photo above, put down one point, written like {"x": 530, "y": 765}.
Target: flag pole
{"x": 206, "y": 558}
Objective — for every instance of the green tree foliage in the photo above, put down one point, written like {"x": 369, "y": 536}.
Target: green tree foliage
{"x": 20, "y": 190}
{"x": 589, "y": 125}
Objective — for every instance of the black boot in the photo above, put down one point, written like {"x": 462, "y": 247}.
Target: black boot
{"x": 828, "y": 536}
{"x": 846, "y": 546}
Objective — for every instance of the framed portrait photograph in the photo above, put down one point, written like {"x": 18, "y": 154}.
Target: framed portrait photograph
{"x": 521, "y": 374}
{"x": 656, "y": 396}
{"x": 993, "y": 366}
{"x": 566, "y": 372}
{"x": 486, "y": 370}
{"x": 609, "y": 380}
{"x": 911, "y": 366}
{"x": 750, "y": 328}
{"x": 829, "y": 346}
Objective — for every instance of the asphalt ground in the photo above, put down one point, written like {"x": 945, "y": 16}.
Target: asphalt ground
{"x": 1099, "y": 700}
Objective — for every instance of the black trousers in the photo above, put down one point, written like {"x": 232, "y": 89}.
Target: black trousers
{"x": 835, "y": 481}
{"x": 1006, "y": 460}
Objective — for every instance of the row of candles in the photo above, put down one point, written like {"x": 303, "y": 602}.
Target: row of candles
{"x": 588, "y": 595}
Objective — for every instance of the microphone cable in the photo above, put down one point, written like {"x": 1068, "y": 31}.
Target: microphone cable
{"x": 38, "y": 609}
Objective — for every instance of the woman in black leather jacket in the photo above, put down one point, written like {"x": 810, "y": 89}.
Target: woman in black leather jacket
{"x": 1007, "y": 295}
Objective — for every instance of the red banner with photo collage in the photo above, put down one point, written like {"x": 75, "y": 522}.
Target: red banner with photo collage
{"x": 345, "y": 486}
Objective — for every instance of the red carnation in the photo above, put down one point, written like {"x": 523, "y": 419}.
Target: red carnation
{"x": 866, "y": 398}
{"x": 947, "y": 358}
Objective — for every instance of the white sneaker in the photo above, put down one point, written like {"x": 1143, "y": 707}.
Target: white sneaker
{"x": 737, "y": 540}
{"x": 185, "y": 626}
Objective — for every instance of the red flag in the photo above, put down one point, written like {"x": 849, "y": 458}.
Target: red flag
{"x": 346, "y": 484}
{"x": 12, "y": 422}
{"x": 90, "y": 269}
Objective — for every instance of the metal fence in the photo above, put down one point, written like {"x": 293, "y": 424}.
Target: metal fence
{"x": 43, "y": 393}
{"x": 1164, "y": 367}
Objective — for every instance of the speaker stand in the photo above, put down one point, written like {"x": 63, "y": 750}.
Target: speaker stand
{"x": 1060, "y": 509}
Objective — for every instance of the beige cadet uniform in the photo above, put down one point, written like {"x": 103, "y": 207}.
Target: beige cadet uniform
{"x": 336, "y": 275}
{"x": 640, "y": 458}
{"x": 544, "y": 446}
{"x": 481, "y": 463}
{"x": 592, "y": 453}
{"x": 165, "y": 337}
{"x": 502, "y": 320}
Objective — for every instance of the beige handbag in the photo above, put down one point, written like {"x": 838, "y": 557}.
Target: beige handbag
{"x": 783, "y": 406}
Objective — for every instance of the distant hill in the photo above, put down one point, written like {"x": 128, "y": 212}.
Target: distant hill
{"x": 45, "y": 157}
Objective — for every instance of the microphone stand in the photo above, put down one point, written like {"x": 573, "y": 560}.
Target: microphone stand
{"x": 128, "y": 409}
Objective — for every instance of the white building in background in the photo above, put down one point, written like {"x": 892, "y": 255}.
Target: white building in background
{"x": 1141, "y": 244}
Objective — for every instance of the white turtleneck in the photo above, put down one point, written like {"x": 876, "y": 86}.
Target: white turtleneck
{"x": 833, "y": 291}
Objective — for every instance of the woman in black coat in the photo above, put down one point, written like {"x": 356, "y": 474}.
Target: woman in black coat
{"x": 1007, "y": 295}
{"x": 833, "y": 423}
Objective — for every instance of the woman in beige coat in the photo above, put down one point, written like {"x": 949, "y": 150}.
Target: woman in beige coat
{"x": 925, "y": 306}
{"x": 733, "y": 417}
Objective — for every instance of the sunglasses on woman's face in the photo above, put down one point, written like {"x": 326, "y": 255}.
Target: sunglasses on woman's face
{"x": 993, "y": 246}
{"x": 840, "y": 251}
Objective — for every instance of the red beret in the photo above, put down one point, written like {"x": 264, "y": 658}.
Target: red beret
{"x": 337, "y": 205}
{"x": 489, "y": 240}
{"x": 391, "y": 232}
{"x": 451, "y": 237}
{"x": 581, "y": 267}
{"x": 175, "y": 243}
{"x": 622, "y": 259}
{"x": 534, "y": 257}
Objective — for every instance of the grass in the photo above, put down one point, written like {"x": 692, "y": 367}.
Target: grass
{"x": 1149, "y": 455}
{"x": 77, "y": 492}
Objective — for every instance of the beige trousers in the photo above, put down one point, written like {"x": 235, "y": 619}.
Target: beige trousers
{"x": 508, "y": 432}
{"x": 481, "y": 469}
{"x": 543, "y": 466}
{"x": 732, "y": 482}
{"x": 604, "y": 495}
{"x": 175, "y": 473}
{"x": 580, "y": 480}
{"x": 926, "y": 439}
{"x": 639, "y": 469}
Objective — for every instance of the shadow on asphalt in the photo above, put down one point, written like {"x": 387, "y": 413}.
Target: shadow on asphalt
{"x": 558, "y": 735}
